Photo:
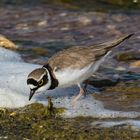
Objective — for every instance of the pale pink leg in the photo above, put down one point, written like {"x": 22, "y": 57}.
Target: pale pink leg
{"x": 81, "y": 92}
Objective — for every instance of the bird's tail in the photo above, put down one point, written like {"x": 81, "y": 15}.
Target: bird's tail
{"x": 110, "y": 44}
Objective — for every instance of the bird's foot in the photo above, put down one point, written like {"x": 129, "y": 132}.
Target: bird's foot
{"x": 81, "y": 93}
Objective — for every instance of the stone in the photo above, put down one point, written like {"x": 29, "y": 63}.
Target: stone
{"x": 6, "y": 43}
{"x": 129, "y": 55}
{"x": 135, "y": 64}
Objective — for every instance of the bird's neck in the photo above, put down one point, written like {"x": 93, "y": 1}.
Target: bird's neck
{"x": 54, "y": 81}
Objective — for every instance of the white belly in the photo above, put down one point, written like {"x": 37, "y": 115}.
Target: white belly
{"x": 70, "y": 77}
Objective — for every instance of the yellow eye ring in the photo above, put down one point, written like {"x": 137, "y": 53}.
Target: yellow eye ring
{"x": 40, "y": 82}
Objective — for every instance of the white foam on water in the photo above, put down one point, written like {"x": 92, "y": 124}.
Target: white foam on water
{"x": 7, "y": 55}
{"x": 13, "y": 87}
{"x": 88, "y": 106}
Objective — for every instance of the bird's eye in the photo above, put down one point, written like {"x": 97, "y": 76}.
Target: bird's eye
{"x": 40, "y": 82}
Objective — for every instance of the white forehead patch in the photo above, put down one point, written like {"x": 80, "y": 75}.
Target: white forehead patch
{"x": 32, "y": 86}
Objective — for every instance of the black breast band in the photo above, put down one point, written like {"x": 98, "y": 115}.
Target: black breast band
{"x": 54, "y": 81}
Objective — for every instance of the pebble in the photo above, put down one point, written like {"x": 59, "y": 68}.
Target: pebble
{"x": 6, "y": 43}
{"x": 135, "y": 64}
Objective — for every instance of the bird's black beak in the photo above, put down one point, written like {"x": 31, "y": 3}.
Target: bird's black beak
{"x": 32, "y": 92}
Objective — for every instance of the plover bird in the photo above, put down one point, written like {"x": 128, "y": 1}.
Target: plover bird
{"x": 70, "y": 67}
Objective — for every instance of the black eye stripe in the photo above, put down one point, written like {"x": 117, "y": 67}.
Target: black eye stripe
{"x": 32, "y": 81}
{"x": 35, "y": 83}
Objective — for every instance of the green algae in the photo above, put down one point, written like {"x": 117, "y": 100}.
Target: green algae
{"x": 100, "y": 5}
{"x": 34, "y": 122}
{"x": 39, "y": 51}
{"x": 131, "y": 90}
{"x": 121, "y": 97}
{"x": 129, "y": 55}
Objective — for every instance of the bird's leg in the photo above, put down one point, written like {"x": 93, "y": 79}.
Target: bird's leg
{"x": 85, "y": 88}
{"x": 81, "y": 92}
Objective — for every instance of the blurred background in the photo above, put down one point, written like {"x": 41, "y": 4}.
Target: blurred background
{"x": 79, "y": 3}
{"x": 42, "y": 27}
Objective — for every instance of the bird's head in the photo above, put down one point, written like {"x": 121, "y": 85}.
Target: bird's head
{"x": 38, "y": 80}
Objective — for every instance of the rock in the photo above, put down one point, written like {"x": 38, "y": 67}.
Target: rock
{"x": 121, "y": 97}
{"x": 135, "y": 64}
{"x": 22, "y": 26}
{"x": 100, "y": 83}
{"x": 6, "y": 43}
{"x": 84, "y": 20}
{"x": 65, "y": 28}
{"x": 129, "y": 55}
{"x": 40, "y": 51}
{"x": 120, "y": 68}
{"x": 43, "y": 23}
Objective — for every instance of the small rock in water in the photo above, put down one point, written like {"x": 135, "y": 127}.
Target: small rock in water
{"x": 63, "y": 14}
{"x": 120, "y": 68}
{"x": 65, "y": 28}
{"x": 121, "y": 97}
{"x": 22, "y": 26}
{"x": 135, "y": 64}
{"x": 99, "y": 83}
{"x": 84, "y": 20}
{"x": 43, "y": 23}
{"x": 129, "y": 55}
{"x": 6, "y": 43}
{"x": 40, "y": 51}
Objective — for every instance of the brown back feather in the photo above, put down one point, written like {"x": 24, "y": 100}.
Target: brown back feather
{"x": 79, "y": 57}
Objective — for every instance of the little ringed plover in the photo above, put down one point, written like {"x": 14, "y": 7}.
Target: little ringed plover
{"x": 70, "y": 67}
